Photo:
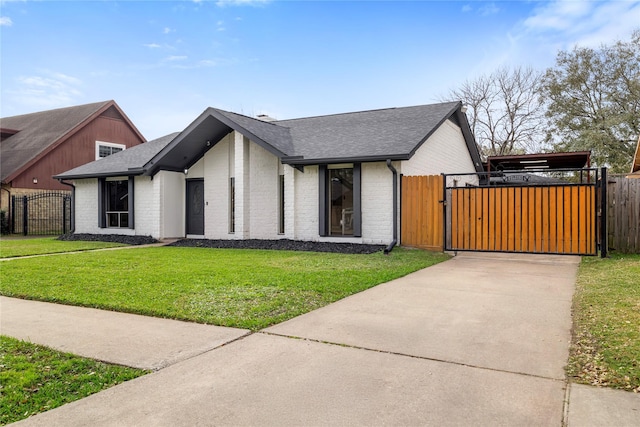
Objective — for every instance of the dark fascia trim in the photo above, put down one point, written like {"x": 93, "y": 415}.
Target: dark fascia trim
{"x": 253, "y": 137}
{"x": 128, "y": 173}
{"x": 152, "y": 169}
{"x": 469, "y": 139}
{"x": 446, "y": 117}
{"x": 298, "y": 160}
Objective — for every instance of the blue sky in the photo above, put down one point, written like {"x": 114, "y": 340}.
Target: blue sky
{"x": 164, "y": 62}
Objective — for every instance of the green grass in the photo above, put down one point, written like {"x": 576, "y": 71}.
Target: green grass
{"x": 34, "y": 379}
{"x": 230, "y": 287}
{"x": 10, "y": 248}
{"x": 606, "y": 338}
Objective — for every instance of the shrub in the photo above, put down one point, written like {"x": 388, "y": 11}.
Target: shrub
{"x": 4, "y": 222}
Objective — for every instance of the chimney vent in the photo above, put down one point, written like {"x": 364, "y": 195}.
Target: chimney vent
{"x": 266, "y": 118}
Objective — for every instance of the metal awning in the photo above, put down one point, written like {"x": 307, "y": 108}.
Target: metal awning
{"x": 571, "y": 160}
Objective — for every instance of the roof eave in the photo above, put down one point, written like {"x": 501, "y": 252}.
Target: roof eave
{"x": 297, "y": 160}
{"x": 131, "y": 172}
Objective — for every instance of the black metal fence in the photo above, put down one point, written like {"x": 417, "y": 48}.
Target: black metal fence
{"x": 44, "y": 213}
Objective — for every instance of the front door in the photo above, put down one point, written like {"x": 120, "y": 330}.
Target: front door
{"x": 195, "y": 206}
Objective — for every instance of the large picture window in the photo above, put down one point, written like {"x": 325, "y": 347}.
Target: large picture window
{"x": 117, "y": 209}
{"x": 115, "y": 203}
{"x": 340, "y": 200}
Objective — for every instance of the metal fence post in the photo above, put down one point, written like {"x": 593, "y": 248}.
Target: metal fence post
{"x": 25, "y": 215}
{"x": 604, "y": 238}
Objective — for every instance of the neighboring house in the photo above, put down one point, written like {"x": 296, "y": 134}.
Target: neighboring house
{"x": 228, "y": 176}
{"x": 36, "y": 146}
{"x": 635, "y": 165}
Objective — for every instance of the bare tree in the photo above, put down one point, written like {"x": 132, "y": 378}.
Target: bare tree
{"x": 505, "y": 110}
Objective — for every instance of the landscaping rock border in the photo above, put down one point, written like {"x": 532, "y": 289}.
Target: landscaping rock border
{"x": 111, "y": 238}
{"x": 282, "y": 244}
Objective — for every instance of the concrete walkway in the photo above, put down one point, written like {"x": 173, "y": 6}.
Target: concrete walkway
{"x": 478, "y": 340}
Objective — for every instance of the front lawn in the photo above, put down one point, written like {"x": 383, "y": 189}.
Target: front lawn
{"x": 10, "y": 248}
{"x": 606, "y": 339}
{"x": 230, "y": 287}
{"x": 35, "y": 379}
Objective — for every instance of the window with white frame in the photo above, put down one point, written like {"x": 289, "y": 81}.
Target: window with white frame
{"x": 115, "y": 202}
{"x": 104, "y": 149}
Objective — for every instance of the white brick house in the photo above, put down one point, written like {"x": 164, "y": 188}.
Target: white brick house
{"x": 228, "y": 176}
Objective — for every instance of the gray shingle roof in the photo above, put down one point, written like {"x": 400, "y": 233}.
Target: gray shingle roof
{"x": 271, "y": 133}
{"x": 122, "y": 163}
{"x": 392, "y": 133}
{"x": 38, "y": 131}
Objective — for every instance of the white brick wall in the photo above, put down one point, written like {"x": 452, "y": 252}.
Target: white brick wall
{"x": 172, "y": 203}
{"x": 147, "y": 206}
{"x": 306, "y": 204}
{"x": 290, "y": 175}
{"x": 216, "y": 190}
{"x": 86, "y": 206}
{"x": 444, "y": 152}
{"x": 377, "y": 203}
{"x": 263, "y": 194}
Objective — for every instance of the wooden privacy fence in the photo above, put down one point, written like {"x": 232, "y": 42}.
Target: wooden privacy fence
{"x": 421, "y": 212}
{"x": 623, "y": 214}
{"x": 556, "y": 219}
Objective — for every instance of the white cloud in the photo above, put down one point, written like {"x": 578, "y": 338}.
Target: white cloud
{"x": 5, "y": 21}
{"x": 208, "y": 63}
{"x": 550, "y": 27}
{"x": 558, "y": 15}
{"x": 567, "y": 24}
{"x": 489, "y": 9}
{"x": 167, "y": 30}
{"x": 174, "y": 58}
{"x": 223, "y": 3}
{"x": 466, "y": 8}
{"x": 152, "y": 45}
{"x": 47, "y": 90}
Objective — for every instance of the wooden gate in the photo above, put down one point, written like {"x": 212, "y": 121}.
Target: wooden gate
{"x": 528, "y": 218}
{"x": 475, "y": 213}
{"x": 421, "y": 212}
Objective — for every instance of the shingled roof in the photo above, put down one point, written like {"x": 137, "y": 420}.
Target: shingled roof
{"x": 375, "y": 135}
{"x": 123, "y": 163}
{"x": 28, "y": 137}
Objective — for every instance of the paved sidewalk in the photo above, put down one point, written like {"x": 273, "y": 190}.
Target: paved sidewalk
{"x": 126, "y": 339}
{"x": 481, "y": 339}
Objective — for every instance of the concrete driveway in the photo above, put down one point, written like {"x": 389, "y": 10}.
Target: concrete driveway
{"x": 477, "y": 340}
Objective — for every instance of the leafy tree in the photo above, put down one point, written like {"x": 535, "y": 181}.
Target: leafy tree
{"x": 504, "y": 110}
{"x": 593, "y": 102}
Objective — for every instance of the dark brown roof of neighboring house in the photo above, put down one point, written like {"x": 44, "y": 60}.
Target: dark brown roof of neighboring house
{"x": 28, "y": 137}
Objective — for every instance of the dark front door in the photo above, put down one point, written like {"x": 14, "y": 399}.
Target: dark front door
{"x": 195, "y": 206}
